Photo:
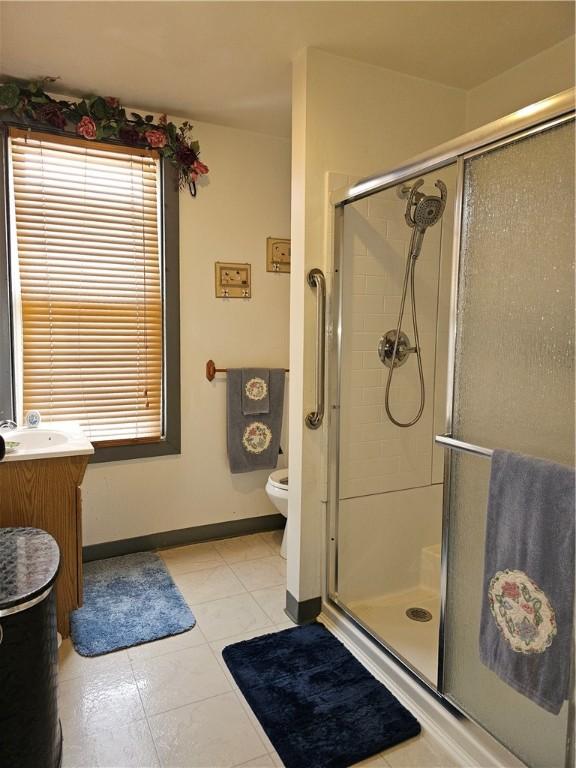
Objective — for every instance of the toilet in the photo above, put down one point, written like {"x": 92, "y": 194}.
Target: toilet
{"x": 277, "y": 490}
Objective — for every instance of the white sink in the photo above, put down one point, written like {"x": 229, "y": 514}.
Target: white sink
{"x": 48, "y": 441}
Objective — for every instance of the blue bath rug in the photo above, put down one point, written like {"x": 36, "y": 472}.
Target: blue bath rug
{"x": 128, "y": 600}
{"x": 319, "y": 706}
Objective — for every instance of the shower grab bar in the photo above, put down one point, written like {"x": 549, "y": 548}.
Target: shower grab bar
{"x": 460, "y": 445}
{"x": 317, "y": 280}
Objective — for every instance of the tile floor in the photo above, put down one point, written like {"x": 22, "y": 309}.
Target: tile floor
{"x": 173, "y": 703}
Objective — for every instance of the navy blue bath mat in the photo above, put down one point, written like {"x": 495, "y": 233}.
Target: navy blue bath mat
{"x": 319, "y": 706}
{"x": 128, "y": 600}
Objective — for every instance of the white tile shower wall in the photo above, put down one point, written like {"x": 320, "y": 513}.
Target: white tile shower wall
{"x": 376, "y": 455}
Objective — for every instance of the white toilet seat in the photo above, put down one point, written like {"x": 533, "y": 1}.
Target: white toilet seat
{"x": 279, "y": 479}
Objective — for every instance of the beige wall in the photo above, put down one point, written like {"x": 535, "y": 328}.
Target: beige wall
{"x": 545, "y": 74}
{"x": 351, "y": 118}
{"x": 348, "y": 117}
{"x": 246, "y": 200}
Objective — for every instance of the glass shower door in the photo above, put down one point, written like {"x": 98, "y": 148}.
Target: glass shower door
{"x": 388, "y": 496}
{"x": 513, "y": 389}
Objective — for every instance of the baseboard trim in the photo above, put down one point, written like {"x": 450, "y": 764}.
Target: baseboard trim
{"x": 183, "y": 536}
{"x": 304, "y": 612}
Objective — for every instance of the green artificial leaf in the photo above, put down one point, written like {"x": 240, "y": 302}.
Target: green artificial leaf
{"x": 99, "y": 108}
{"x": 24, "y": 97}
{"x": 9, "y": 95}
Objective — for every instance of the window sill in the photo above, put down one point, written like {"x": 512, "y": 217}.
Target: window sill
{"x": 134, "y": 451}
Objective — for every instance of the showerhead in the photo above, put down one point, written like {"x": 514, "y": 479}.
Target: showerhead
{"x": 428, "y": 210}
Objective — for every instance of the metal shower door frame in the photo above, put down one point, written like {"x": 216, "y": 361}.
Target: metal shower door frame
{"x": 530, "y": 120}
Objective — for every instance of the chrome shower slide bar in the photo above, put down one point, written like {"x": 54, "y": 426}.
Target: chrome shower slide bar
{"x": 460, "y": 445}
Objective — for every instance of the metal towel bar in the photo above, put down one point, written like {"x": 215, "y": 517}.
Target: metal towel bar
{"x": 211, "y": 370}
{"x": 460, "y": 445}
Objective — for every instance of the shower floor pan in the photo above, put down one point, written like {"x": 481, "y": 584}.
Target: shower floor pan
{"x": 416, "y": 641}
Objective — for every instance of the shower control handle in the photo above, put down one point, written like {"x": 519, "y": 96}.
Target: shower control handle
{"x": 317, "y": 280}
{"x": 386, "y": 349}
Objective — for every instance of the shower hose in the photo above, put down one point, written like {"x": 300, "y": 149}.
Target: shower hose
{"x": 409, "y": 275}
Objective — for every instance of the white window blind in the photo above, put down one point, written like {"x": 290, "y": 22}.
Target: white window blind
{"x": 87, "y": 263}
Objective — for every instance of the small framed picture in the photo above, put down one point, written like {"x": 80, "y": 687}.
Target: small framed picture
{"x": 277, "y": 254}
{"x": 233, "y": 281}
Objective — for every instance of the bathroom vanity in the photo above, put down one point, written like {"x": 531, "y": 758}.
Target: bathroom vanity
{"x": 40, "y": 487}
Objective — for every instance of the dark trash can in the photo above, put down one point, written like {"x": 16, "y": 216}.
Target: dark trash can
{"x": 30, "y": 734}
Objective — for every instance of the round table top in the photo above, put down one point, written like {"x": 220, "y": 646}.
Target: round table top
{"x": 29, "y": 560}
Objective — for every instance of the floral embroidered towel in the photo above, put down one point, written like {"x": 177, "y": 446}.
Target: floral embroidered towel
{"x": 528, "y": 597}
{"x": 253, "y": 439}
{"x": 255, "y": 391}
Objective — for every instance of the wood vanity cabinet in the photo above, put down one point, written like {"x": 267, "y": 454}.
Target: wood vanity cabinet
{"x": 45, "y": 493}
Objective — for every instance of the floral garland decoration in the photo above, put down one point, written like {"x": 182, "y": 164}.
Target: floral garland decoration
{"x": 98, "y": 118}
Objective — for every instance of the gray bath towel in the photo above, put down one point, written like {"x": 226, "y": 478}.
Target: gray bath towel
{"x": 255, "y": 391}
{"x": 528, "y": 597}
{"x": 254, "y": 440}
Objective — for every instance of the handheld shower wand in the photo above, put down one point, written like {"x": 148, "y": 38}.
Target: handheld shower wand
{"x": 422, "y": 211}
{"x": 428, "y": 210}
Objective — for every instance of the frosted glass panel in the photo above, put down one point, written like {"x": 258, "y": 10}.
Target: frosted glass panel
{"x": 514, "y": 389}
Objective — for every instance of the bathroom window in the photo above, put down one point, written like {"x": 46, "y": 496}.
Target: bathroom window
{"x": 93, "y": 288}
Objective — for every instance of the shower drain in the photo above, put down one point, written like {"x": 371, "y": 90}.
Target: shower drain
{"x": 418, "y": 614}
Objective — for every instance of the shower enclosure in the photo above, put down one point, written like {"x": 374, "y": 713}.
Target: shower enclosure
{"x": 482, "y": 292}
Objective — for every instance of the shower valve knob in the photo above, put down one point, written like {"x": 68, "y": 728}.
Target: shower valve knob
{"x": 386, "y": 349}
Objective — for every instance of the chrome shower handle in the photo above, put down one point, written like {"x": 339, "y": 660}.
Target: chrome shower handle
{"x": 317, "y": 280}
